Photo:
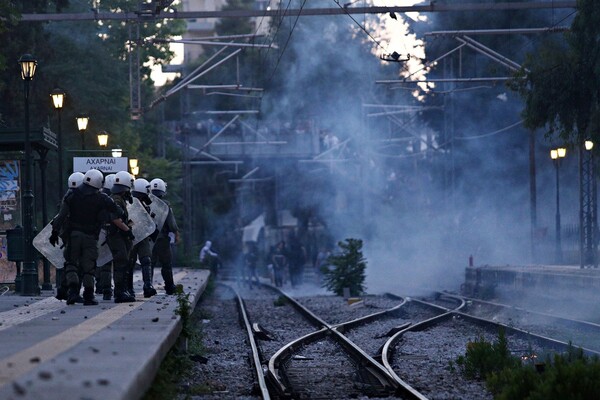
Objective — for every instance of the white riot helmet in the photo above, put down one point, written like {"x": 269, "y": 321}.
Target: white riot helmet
{"x": 123, "y": 182}
{"x": 75, "y": 179}
{"x": 141, "y": 185}
{"x": 93, "y": 178}
{"x": 109, "y": 181}
{"x": 158, "y": 187}
{"x": 123, "y": 178}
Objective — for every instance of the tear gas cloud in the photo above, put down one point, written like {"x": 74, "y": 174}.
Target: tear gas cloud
{"x": 421, "y": 205}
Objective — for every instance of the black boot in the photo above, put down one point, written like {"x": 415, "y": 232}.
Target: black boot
{"x": 167, "y": 275}
{"x": 124, "y": 297}
{"x": 121, "y": 296}
{"x": 129, "y": 282}
{"x": 107, "y": 294}
{"x": 149, "y": 290}
{"x": 98, "y": 280}
{"x": 88, "y": 297}
{"x": 62, "y": 293}
{"x": 73, "y": 295}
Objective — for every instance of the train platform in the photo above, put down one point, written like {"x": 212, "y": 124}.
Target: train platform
{"x": 558, "y": 282}
{"x": 49, "y": 350}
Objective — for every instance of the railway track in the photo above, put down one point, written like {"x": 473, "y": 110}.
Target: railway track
{"x": 581, "y": 333}
{"x": 423, "y": 354}
{"x": 321, "y": 347}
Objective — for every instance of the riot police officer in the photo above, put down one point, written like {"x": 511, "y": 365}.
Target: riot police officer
{"x": 120, "y": 237}
{"x": 161, "y": 253}
{"x": 143, "y": 249}
{"x": 104, "y": 272}
{"x": 83, "y": 207}
{"x": 74, "y": 180}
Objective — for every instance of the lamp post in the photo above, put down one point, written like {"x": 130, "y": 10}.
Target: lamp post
{"x": 556, "y": 155}
{"x": 82, "y": 123}
{"x": 116, "y": 153}
{"x": 58, "y": 98}
{"x": 589, "y": 205}
{"x": 30, "y": 284}
{"x": 103, "y": 138}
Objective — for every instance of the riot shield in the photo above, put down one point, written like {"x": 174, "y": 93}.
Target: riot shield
{"x": 143, "y": 226}
{"x": 54, "y": 254}
{"x": 104, "y": 253}
{"x": 160, "y": 209}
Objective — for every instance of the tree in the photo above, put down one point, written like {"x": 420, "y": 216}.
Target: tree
{"x": 561, "y": 83}
{"x": 348, "y": 269}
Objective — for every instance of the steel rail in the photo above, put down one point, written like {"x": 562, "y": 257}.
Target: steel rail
{"x": 450, "y": 314}
{"x": 578, "y": 324}
{"x": 256, "y": 363}
{"x": 275, "y": 374}
{"x": 583, "y": 323}
{"x": 360, "y": 357}
{"x": 344, "y": 326}
{"x": 544, "y": 340}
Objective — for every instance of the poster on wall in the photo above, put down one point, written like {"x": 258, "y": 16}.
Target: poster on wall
{"x": 10, "y": 194}
{"x": 10, "y": 212}
{"x": 8, "y": 269}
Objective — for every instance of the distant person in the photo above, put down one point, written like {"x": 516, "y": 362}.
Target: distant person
{"x": 279, "y": 261}
{"x": 321, "y": 261}
{"x": 250, "y": 262}
{"x": 296, "y": 254}
{"x": 208, "y": 258}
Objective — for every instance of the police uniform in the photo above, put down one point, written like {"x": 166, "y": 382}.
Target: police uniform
{"x": 143, "y": 251}
{"x": 120, "y": 243}
{"x": 83, "y": 207}
{"x": 161, "y": 252}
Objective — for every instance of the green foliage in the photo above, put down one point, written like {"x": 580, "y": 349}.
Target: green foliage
{"x": 173, "y": 369}
{"x": 348, "y": 269}
{"x": 483, "y": 358}
{"x": 184, "y": 310}
{"x": 561, "y": 82}
{"x": 565, "y": 376}
{"x": 178, "y": 366}
{"x": 280, "y": 301}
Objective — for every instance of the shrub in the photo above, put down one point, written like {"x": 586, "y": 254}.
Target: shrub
{"x": 483, "y": 358}
{"x": 564, "y": 376}
{"x": 348, "y": 269}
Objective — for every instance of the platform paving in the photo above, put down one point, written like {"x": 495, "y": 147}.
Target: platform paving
{"x": 49, "y": 350}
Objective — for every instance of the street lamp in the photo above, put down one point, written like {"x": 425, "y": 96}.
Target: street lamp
{"x": 58, "y": 98}
{"x": 589, "y": 145}
{"x": 103, "y": 138}
{"x": 82, "y": 123}
{"x": 589, "y": 206}
{"x": 117, "y": 153}
{"x": 30, "y": 284}
{"x": 556, "y": 155}
{"x": 133, "y": 166}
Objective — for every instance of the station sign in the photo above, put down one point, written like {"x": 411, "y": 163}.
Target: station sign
{"x": 108, "y": 165}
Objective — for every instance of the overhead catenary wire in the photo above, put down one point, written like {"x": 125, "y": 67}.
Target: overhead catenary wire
{"x": 490, "y": 133}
